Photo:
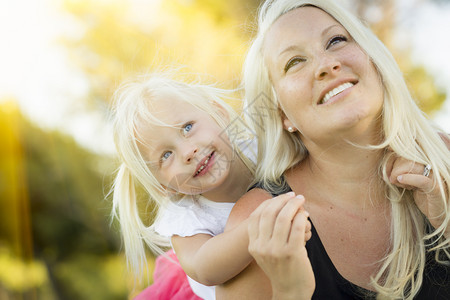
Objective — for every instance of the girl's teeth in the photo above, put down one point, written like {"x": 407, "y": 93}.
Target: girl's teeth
{"x": 203, "y": 166}
{"x": 336, "y": 91}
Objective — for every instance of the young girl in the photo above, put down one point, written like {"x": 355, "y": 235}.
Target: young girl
{"x": 193, "y": 155}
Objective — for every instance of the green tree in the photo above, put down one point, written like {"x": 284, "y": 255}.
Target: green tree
{"x": 428, "y": 96}
{"x": 210, "y": 37}
{"x": 71, "y": 231}
{"x": 204, "y": 35}
{"x": 57, "y": 242}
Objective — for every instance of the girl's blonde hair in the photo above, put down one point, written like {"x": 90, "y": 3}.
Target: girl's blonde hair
{"x": 132, "y": 109}
{"x": 405, "y": 131}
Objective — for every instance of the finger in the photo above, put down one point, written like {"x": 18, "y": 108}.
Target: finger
{"x": 308, "y": 232}
{"x": 404, "y": 166}
{"x": 267, "y": 202}
{"x": 261, "y": 221}
{"x": 265, "y": 215}
{"x": 269, "y": 216}
{"x": 415, "y": 181}
{"x": 285, "y": 217}
{"x": 308, "y": 235}
{"x": 297, "y": 234}
{"x": 253, "y": 221}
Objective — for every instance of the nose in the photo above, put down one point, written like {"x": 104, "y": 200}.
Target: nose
{"x": 189, "y": 152}
{"x": 327, "y": 65}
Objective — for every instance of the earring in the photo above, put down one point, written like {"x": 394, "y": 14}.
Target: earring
{"x": 291, "y": 129}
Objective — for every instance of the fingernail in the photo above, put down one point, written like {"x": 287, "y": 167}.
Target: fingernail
{"x": 290, "y": 194}
{"x": 399, "y": 178}
{"x": 300, "y": 197}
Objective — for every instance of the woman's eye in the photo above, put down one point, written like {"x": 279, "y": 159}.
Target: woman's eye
{"x": 187, "y": 128}
{"x": 335, "y": 40}
{"x": 165, "y": 155}
{"x": 292, "y": 62}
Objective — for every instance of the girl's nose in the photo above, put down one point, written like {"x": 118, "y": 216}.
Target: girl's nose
{"x": 327, "y": 65}
{"x": 189, "y": 153}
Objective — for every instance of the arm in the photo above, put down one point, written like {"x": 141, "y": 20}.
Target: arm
{"x": 214, "y": 260}
{"x": 278, "y": 230}
{"x": 251, "y": 283}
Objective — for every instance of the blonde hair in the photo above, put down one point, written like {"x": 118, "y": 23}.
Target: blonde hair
{"x": 405, "y": 131}
{"x": 131, "y": 109}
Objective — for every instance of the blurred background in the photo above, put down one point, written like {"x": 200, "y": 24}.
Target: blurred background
{"x": 60, "y": 62}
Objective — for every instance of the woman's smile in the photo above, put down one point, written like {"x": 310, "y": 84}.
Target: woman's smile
{"x": 325, "y": 83}
{"x": 335, "y": 91}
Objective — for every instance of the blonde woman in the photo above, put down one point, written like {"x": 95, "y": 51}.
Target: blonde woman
{"x": 331, "y": 111}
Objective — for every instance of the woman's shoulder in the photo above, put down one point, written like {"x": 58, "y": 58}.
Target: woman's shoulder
{"x": 255, "y": 195}
{"x": 246, "y": 205}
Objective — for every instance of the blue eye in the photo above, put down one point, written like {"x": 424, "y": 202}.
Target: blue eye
{"x": 165, "y": 155}
{"x": 187, "y": 128}
{"x": 335, "y": 40}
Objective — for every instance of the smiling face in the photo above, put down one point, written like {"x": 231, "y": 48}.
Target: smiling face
{"x": 190, "y": 155}
{"x": 326, "y": 85}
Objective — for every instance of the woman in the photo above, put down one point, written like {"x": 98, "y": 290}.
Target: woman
{"x": 331, "y": 111}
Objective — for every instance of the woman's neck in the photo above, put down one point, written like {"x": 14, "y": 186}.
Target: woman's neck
{"x": 347, "y": 172}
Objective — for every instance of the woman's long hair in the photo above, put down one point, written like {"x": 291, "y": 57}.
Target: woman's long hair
{"x": 405, "y": 132}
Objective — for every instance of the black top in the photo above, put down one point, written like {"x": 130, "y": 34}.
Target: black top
{"x": 331, "y": 285}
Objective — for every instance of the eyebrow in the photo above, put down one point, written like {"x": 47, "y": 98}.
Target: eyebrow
{"x": 295, "y": 47}
{"x": 325, "y": 31}
{"x": 290, "y": 48}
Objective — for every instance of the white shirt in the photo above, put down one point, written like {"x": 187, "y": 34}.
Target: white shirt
{"x": 195, "y": 214}
{"x": 191, "y": 216}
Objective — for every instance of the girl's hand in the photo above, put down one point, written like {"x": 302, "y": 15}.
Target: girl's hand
{"x": 412, "y": 176}
{"x": 278, "y": 230}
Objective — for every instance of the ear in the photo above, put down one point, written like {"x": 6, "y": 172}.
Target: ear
{"x": 287, "y": 124}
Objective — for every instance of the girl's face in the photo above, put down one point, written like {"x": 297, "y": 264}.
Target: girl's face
{"x": 193, "y": 154}
{"x": 326, "y": 85}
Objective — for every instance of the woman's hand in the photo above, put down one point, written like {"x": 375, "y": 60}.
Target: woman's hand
{"x": 278, "y": 230}
{"x": 427, "y": 196}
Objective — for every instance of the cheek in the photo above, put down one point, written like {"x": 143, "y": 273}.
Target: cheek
{"x": 180, "y": 182}
{"x": 295, "y": 102}
{"x": 363, "y": 64}
{"x": 161, "y": 178}
{"x": 376, "y": 85}
{"x": 288, "y": 95}
{"x": 167, "y": 174}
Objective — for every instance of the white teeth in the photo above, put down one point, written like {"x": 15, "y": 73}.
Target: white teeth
{"x": 203, "y": 166}
{"x": 336, "y": 91}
